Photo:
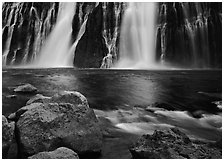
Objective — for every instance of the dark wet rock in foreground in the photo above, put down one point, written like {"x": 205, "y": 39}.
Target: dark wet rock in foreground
{"x": 173, "y": 144}
{"x": 26, "y": 88}
{"x": 7, "y": 135}
{"x": 60, "y": 153}
{"x": 47, "y": 126}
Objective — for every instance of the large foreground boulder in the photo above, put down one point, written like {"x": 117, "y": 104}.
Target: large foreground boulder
{"x": 60, "y": 153}
{"x": 26, "y": 88}
{"x": 72, "y": 97}
{"x": 48, "y": 126}
{"x": 7, "y": 135}
{"x": 172, "y": 144}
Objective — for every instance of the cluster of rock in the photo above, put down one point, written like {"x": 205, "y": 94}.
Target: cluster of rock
{"x": 65, "y": 127}
{"x": 53, "y": 127}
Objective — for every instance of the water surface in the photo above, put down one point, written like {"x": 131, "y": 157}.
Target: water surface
{"x": 120, "y": 98}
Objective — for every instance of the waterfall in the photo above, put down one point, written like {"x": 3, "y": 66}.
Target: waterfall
{"x": 25, "y": 31}
{"x": 112, "y": 34}
{"x": 137, "y": 45}
{"x": 198, "y": 33}
{"x": 10, "y": 28}
{"x": 110, "y": 38}
{"x": 55, "y": 52}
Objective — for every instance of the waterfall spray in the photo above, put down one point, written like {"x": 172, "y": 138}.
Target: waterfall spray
{"x": 137, "y": 46}
{"x": 58, "y": 44}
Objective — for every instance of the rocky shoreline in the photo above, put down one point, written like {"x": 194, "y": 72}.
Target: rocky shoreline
{"x": 65, "y": 127}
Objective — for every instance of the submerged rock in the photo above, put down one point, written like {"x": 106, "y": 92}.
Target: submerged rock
{"x": 172, "y": 144}
{"x": 154, "y": 109}
{"x": 12, "y": 116}
{"x": 26, "y": 88}
{"x": 159, "y": 106}
{"x": 218, "y": 104}
{"x": 38, "y": 98}
{"x": 47, "y": 126}
{"x": 11, "y": 96}
{"x": 7, "y": 135}
{"x": 60, "y": 153}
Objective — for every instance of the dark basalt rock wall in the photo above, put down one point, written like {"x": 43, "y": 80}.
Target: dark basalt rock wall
{"x": 187, "y": 34}
{"x": 25, "y": 27}
{"x": 91, "y": 47}
{"x": 190, "y": 34}
{"x": 101, "y": 36}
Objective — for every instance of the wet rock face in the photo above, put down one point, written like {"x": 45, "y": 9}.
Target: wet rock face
{"x": 25, "y": 27}
{"x": 188, "y": 34}
{"x": 172, "y": 144}
{"x": 101, "y": 36}
{"x": 60, "y": 153}
{"x": 64, "y": 120}
{"x": 90, "y": 49}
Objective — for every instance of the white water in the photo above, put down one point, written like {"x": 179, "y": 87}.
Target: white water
{"x": 55, "y": 52}
{"x": 137, "y": 46}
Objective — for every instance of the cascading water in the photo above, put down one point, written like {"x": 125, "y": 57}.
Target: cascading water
{"x": 25, "y": 29}
{"x": 187, "y": 34}
{"x": 55, "y": 52}
{"x": 110, "y": 38}
{"x": 137, "y": 44}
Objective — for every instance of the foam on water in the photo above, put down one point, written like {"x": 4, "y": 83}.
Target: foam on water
{"x": 138, "y": 121}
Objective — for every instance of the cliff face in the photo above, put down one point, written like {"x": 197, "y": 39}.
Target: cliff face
{"x": 101, "y": 36}
{"x": 25, "y": 28}
{"x": 187, "y": 34}
{"x": 190, "y": 34}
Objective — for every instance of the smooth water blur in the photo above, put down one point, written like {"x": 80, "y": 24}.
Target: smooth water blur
{"x": 120, "y": 98}
{"x": 137, "y": 38}
{"x": 59, "y": 40}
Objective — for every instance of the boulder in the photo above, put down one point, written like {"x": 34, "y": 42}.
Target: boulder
{"x": 48, "y": 126}
{"x": 7, "y": 135}
{"x": 72, "y": 97}
{"x": 60, "y": 153}
{"x": 15, "y": 116}
{"x": 38, "y": 98}
{"x": 26, "y": 88}
{"x": 171, "y": 144}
